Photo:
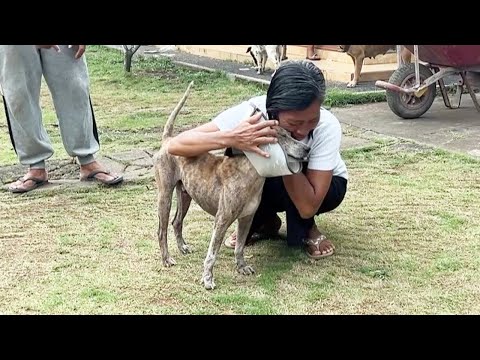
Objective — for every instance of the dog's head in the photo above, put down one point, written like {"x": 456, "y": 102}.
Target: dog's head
{"x": 293, "y": 148}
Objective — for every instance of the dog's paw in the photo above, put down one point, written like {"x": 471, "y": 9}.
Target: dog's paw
{"x": 185, "y": 249}
{"x": 208, "y": 282}
{"x": 351, "y": 84}
{"x": 169, "y": 262}
{"x": 245, "y": 270}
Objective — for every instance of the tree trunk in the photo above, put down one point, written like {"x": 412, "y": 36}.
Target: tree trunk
{"x": 130, "y": 50}
{"x": 128, "y": 60}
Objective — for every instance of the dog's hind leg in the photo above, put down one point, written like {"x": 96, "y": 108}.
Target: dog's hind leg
{"x": 183, "y": 203}
{"x": 406, "y": 55}
{"x": 219, "y": 229}
{"x": 164, "y": 204}
{"x": 243, "y": 227}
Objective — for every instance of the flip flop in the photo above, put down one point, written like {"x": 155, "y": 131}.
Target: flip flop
{"x": 313, "y": 57}
{"x": 36, "y": 183}
{"x": 312, "y": 248}
{"x": 92, "y": 177}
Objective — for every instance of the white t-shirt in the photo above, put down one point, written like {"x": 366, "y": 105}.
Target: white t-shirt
{"x": 324, "y": 144}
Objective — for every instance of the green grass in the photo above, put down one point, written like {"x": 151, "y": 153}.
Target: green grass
{"x": 339, "y": 97}
{"x": 406, "y": 235}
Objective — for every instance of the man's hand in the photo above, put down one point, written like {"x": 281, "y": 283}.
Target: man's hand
{"x": 80, "y": 51}
{"x": 54, "y": 47}
{"x": 78, "y": 54}
{"x": 252, "y": 132}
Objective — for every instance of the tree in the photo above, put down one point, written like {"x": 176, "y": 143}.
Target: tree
{"x": 130, "y": 50}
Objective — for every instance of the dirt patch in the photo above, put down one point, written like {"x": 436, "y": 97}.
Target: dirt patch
{"x": 164, "y": 74}
{"x": 57, "y": 170}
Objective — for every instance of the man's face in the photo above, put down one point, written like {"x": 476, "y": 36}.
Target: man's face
{"x": 300, "y": 122}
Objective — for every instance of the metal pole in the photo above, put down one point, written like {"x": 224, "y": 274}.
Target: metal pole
{"x": 417, "y": 68}
{"x": 399, "y": 57}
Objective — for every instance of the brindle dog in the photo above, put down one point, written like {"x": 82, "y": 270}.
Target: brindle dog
{"x": 228, "y": 188}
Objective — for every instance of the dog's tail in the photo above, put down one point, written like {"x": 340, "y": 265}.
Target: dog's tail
{"x": 168, "y": 129}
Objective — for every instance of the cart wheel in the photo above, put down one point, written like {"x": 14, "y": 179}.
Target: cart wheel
{"x": 408, "y": 106}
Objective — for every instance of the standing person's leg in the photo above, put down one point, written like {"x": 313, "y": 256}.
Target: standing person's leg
{"x": 20, "y": 79}
{"x": 68, "y": 81}
{"x": 311, "y": 54}
{"x": 284, "y": 54}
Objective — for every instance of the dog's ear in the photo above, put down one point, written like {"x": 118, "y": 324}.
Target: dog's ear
{"x": 249, "y": 49}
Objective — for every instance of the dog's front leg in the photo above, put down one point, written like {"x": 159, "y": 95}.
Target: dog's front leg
{"x": 260, "y": 62}
{"x": 358, "y": 68}
{"x": 183, "y": 203}
{"x": 264, "y": 63}
{"x": 243, "y": 228}
{"x": 219, "y": 230}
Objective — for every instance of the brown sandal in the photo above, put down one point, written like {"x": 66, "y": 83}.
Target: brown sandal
{"x": 93, "y": 177}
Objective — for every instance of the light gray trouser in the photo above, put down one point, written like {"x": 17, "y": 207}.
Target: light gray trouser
{"x": 21, "y": 69}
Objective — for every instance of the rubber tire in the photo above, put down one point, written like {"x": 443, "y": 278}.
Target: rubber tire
{"x": 394, "y": 99}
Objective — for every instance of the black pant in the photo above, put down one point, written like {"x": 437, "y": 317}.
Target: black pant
{"x": 275, "y": 199}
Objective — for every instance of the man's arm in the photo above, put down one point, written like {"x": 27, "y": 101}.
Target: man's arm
{"x": 307, "y": 191}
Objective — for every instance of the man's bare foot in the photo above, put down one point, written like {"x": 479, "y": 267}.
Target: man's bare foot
{"x": 95, "y": 171}
{"x": 317, "y": 245}
{"x": 32, "y": 179}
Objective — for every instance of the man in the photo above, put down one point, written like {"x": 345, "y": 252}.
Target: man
{"x": 65, "y": 70}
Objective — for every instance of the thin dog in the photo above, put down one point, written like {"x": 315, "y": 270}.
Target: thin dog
{"x": 229, "y": 188}
{"x": 260, "y": 54}
{"x": 359, "y": 52}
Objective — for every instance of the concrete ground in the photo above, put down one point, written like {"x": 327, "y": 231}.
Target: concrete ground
{"x": 454, "y": 130}
{"x": 450, "y": 129}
